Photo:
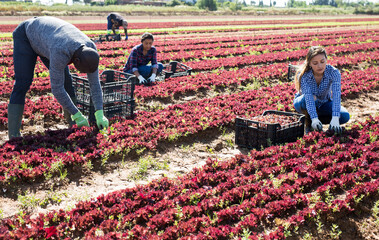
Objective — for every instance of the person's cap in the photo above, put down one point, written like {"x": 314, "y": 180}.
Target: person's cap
{"x": 124, "y": 24}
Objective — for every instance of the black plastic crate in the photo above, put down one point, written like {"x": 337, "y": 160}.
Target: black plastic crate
{"x": 121, "y": 109}
{"x": 255, "y": 134}
{"x": 118, "y": 94}
{"x": 292, "y": 69}
{"x": 174, "y": 69}
{"x": 108, "y": 37}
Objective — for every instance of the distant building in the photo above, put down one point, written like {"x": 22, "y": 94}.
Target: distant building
{"x": 51, "y": 2}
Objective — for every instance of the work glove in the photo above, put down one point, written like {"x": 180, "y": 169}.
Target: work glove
{"x": 126, "y": 37}
{"x": 79, "y": 119}
{"x": 335, "y": 125}
{"x": 152, "y": 77}
{"x": 316, "y": 124}
{"x": 141, "y": 79}
{"x": 101, "y": 120}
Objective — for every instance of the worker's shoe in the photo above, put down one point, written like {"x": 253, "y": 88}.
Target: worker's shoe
{"x": 15, "y": 112}
{"x": 307, "y": 122}
{"x": 308, "y": 125}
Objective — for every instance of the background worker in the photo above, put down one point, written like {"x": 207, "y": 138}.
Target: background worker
{"x": 319, "y": 92}
{"x": 58, "y": 44}
{"x": 115, "y": 20}
{"x": 139, "y": 59}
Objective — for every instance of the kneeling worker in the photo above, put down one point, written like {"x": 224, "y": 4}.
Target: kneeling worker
{"x": 319, "y": 93}
{"x": 115, "y": 21}
{"x": 58, "y": 44}
{"x": 139, "y": 59}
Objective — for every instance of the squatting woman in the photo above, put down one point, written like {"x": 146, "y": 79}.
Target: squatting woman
{"x": 319, "y": 92}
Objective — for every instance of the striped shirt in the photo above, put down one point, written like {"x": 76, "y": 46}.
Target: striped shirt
{"x": 137, "y": 59}
{"x": 329, "y": 89}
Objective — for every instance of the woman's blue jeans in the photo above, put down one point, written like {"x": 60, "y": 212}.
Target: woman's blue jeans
{"x": 147, "y": 70}
{"x": 24, "y": 59}
{"x": 324, "y": 112}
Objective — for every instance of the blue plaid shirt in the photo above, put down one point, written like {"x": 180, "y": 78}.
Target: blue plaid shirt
{"x": 137, "y": 59}
{"x": 329, "y": 89}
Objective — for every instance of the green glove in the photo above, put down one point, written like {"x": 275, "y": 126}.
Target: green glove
{"x": 79, "y": 119}
{"x": 101, "y": 120}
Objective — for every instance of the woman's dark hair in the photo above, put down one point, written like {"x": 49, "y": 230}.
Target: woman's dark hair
{"x": 147, "y": 35}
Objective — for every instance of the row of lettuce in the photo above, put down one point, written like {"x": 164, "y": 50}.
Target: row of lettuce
{"x": 264, "y": 195}
{"x": 33, "y": 156}
{"x": 245, "y": 54}
{"x": 235, "y": 47}
{"x": 48, "y": 107}
{"x": 169, "y": 44}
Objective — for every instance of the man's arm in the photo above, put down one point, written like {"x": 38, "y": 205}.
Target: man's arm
{"x": 58, "y": 90}
{"x": 95, "y": 88}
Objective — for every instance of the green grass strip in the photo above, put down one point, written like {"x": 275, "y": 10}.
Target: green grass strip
{"x": 244, "y": 27}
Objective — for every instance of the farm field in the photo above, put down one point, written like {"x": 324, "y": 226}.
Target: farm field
{"x": 174, "y": 170}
